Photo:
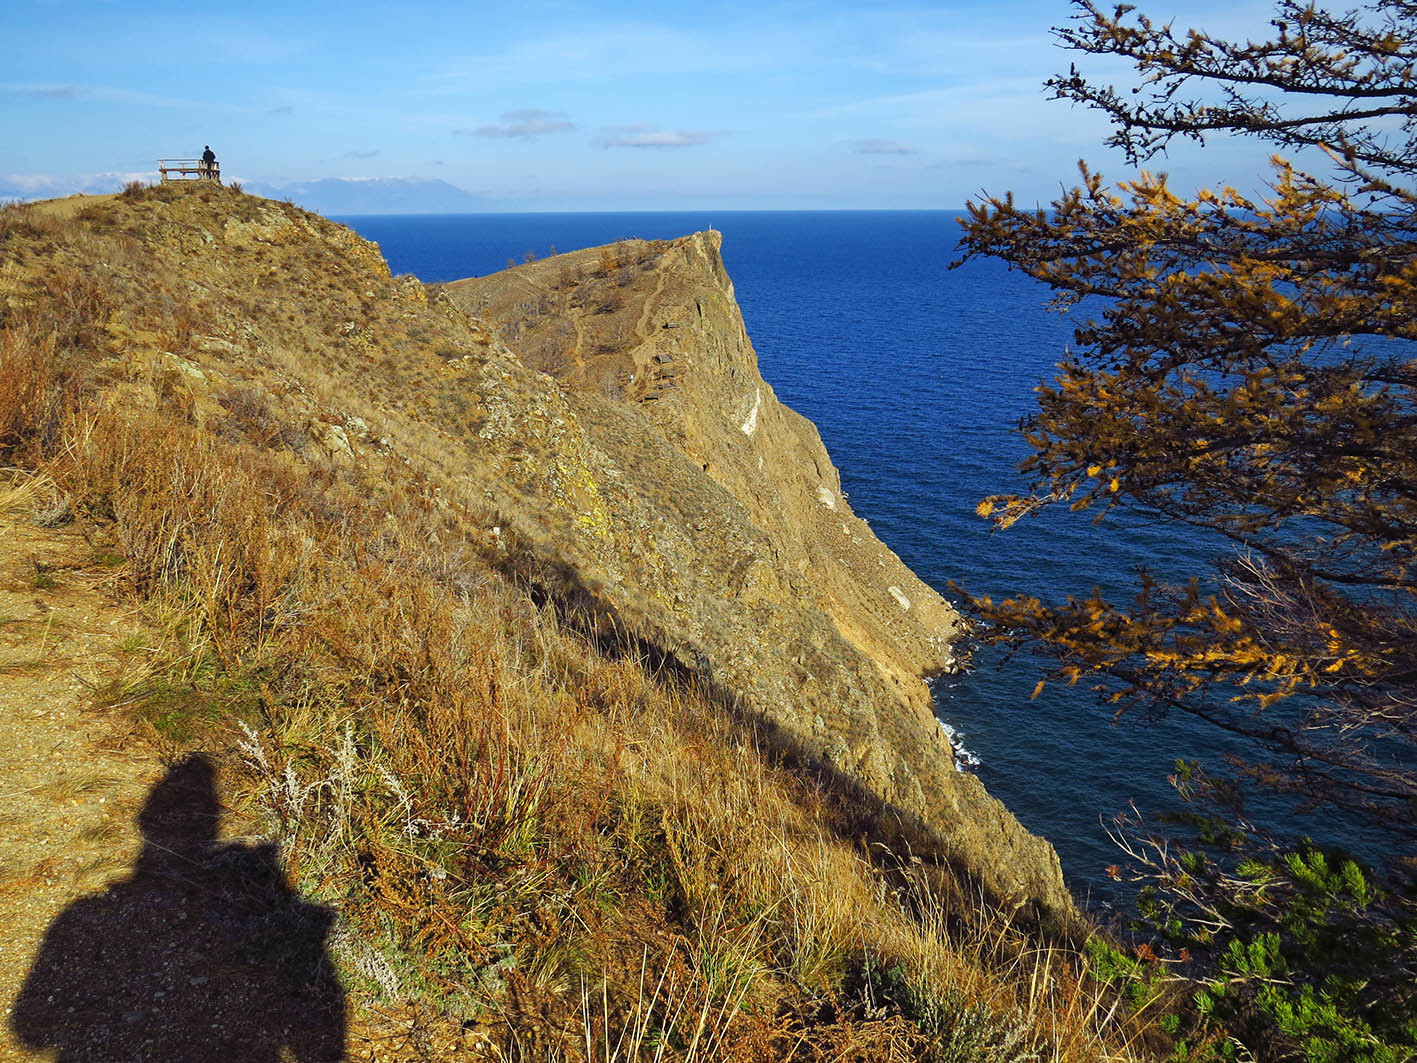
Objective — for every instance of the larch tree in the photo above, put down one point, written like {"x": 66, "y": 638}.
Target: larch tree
{"x": 1245, "y": 367}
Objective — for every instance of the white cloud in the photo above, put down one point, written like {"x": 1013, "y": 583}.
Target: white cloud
{"x": 526, "y": 124}
{"x": 647, "y": 136}
{"x": 879, "y": 146}
{"x": 92, "y": 92}
{"x": 45, "y": 186}
{"x": 588, "y": 50}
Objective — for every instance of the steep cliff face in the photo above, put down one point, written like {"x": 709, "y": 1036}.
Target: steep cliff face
{"x": 729, "y": 535}
{"x": 598, "y": 420}
{"x": 657, "y": 327}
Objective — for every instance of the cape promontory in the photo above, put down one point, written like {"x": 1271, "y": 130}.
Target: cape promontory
{"x": 597, "y": 423}
{"x": 717, "y": 521}
{"x": 486, "y": 667}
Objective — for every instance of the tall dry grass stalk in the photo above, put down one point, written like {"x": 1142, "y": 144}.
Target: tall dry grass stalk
{"x": 31, "y": 391}
{"x": 664, "y": 1021}
{"x": 25, "y": 493}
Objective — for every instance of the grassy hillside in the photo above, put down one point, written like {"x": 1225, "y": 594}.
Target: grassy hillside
{"x": 541, "y": 842}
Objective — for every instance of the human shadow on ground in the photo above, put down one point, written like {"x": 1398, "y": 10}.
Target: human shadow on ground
{"x": 205, "y": 953}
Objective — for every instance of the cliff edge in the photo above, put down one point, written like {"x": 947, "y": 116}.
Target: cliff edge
{"x": 595, "y": 424}
{"x": 726, "y": 533}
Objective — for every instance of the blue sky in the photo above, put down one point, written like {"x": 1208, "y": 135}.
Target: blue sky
{"x": 569, "y": 106}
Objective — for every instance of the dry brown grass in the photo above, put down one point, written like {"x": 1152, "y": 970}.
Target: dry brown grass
{"x": 498, "y": 788}
{"x": 521, "y": 827}
{"x": 30, "y": 395}
{"x": 29, "y": 221}
{"x": 24, "y": 494}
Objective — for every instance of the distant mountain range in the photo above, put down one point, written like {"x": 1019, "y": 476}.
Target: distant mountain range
{"x": 329, "y": 195}
{"x": 26, "y": 188}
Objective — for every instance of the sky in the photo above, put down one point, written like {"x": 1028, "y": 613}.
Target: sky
{"x": 549, "y": 105}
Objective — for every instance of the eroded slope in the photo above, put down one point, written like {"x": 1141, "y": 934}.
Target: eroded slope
{"x": 708, "y": 521}
{"x": 825, "y": 630}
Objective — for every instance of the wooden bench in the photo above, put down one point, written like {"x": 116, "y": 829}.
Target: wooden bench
{"x": 188, "y": 170}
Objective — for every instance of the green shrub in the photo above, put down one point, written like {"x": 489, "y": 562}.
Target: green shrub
{"x": 955, "y": 1030}
{"x": 1301, "y": 955}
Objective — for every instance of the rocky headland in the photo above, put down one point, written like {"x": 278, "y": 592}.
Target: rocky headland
{"x": 606, "y": 407}
{"x": 715, "y": 520}
{"x": 522, "y": 616}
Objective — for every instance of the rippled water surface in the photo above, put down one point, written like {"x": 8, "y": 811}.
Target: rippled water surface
{"x": 916, "y": 376}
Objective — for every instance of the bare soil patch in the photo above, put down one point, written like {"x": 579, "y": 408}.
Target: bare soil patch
{"x": 71, "y": 778}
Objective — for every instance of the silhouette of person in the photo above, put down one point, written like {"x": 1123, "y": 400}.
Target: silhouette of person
{"x": 205, "y": 953}
{"x": 208, "y": 161}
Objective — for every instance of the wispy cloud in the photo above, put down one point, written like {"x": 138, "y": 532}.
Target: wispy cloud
{"x": 648, "y": 136}
{"x": 879, "y": 146}
{"x": 527, "y": 124}
{"x": 284, "y": 109}
{"x": 372, "y": 153}
{"x": 940, "y": 103}
{"x": 56, "y": 92}
{"x": 90, "y": 92}
{"x": 591, "y": 45}
{"x": 237, "y": 39}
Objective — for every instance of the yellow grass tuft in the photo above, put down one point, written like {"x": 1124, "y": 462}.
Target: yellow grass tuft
{"x": 25, "y": 493}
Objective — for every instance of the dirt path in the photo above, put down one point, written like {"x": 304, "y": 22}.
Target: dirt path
{"x": 71, "y": 205}
{"x": 651, "y": 306}
{"x": 71, "y": 779}
{"x": 138, "y": 943}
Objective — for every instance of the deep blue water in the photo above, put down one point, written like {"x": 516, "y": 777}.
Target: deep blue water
{"x": 916, "y": 376}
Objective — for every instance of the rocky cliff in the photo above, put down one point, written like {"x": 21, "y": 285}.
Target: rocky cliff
{"x": 724, "y": 531}
{"x": 596, "y": 420}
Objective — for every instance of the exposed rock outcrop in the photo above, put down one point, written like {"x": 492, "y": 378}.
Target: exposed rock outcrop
{"x": 597, "y": 419}
{"x": 721, "y": 527}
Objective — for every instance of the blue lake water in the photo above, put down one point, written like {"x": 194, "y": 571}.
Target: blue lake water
{"x": 916, "y": 376}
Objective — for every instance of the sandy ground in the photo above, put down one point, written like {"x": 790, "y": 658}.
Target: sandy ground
{"x": 141, "y": 963}
{"x": 71, "y": 205}
{"x": 71, "y": 779}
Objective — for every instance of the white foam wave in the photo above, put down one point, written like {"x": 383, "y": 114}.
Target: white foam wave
{"x": 965, "y": 759}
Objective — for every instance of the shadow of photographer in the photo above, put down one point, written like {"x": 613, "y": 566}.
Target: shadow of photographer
{"x": 204, "y": 953}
